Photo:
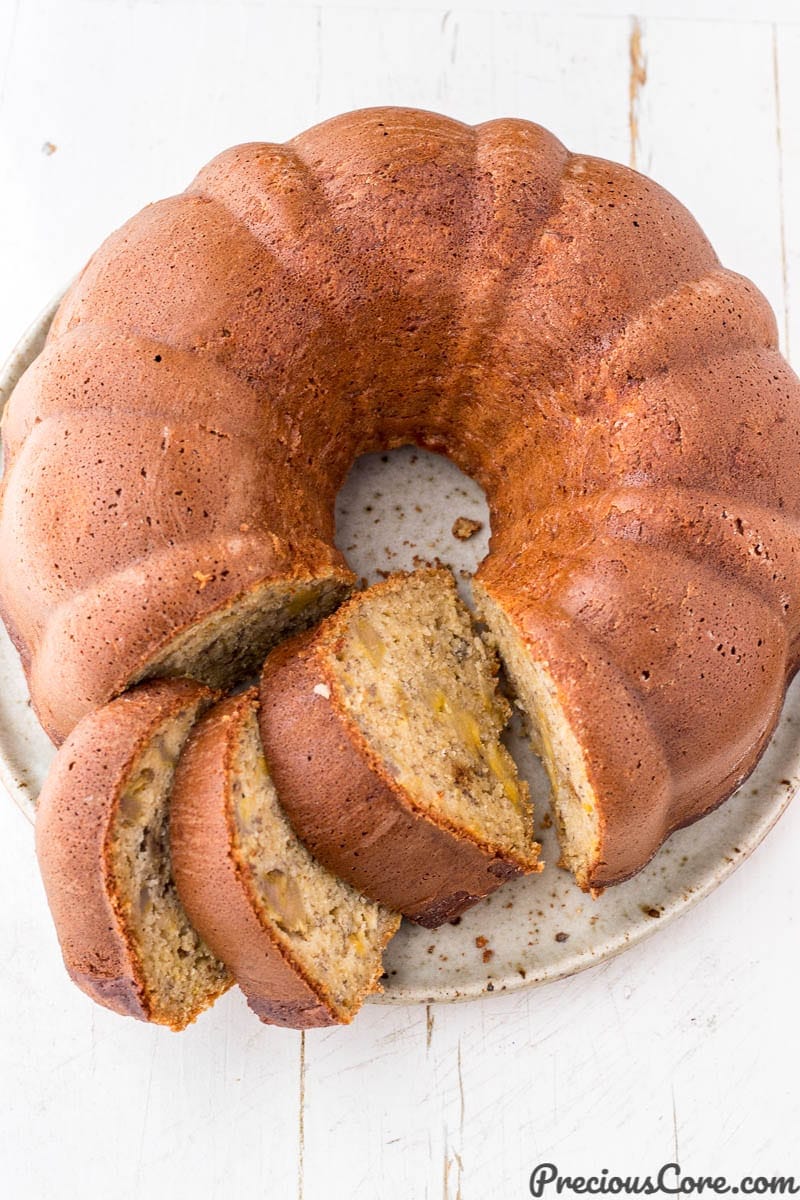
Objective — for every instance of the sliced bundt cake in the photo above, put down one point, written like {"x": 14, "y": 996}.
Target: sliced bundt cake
{"x": 382, "y": 729}
{"x": 102, "y": 838}
{"x": 555, "y": 323}
{"x": 304, "y": 947}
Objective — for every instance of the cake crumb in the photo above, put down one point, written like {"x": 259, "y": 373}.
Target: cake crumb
{"x": 202, "y": 578}
{"x": 465, "y": 527}
{"x": 480, "y": 942}
{"x": 487, "y": 955}
{"x": 322, "y": 689}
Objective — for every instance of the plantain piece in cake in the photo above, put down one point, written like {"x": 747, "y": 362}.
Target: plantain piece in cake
{"x": 382, "y": 729}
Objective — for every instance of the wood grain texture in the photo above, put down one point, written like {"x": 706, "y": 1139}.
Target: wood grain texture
{"x": 688, "y": 1046}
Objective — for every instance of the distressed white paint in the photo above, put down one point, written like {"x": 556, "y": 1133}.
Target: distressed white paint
{"x": 688, "y": 1044}
{"x": 786, "y": 62}
{"x": 727, "y": 170}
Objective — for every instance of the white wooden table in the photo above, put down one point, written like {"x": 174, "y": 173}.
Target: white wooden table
{"x": 686, "y": 1048}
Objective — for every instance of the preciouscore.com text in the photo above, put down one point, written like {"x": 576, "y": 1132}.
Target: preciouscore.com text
{"x": 669, "y": 1180}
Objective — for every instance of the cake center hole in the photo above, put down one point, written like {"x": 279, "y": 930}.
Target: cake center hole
{"x": 408, "y": 508}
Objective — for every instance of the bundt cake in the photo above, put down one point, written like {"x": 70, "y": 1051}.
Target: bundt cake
{"x": 382, "y": 731}
{"x": 102, "y": 839}
{"x": 558, "y": 325}
{"x": 304, "y": 947}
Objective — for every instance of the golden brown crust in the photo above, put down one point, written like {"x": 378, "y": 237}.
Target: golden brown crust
{"x": 73, "y": 819}
{"x": 214, "y": 884}
{"x": 354, "y": 817}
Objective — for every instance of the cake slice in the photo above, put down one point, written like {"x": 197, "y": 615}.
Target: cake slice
{"x": 382, "y": 729}
{"x": 304, "y": 947}
{"x": 102, "y": 839}
{"x": 577, "y": 809}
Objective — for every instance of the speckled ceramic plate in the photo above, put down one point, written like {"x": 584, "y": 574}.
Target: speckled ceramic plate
{"x": 394, "y": 511}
